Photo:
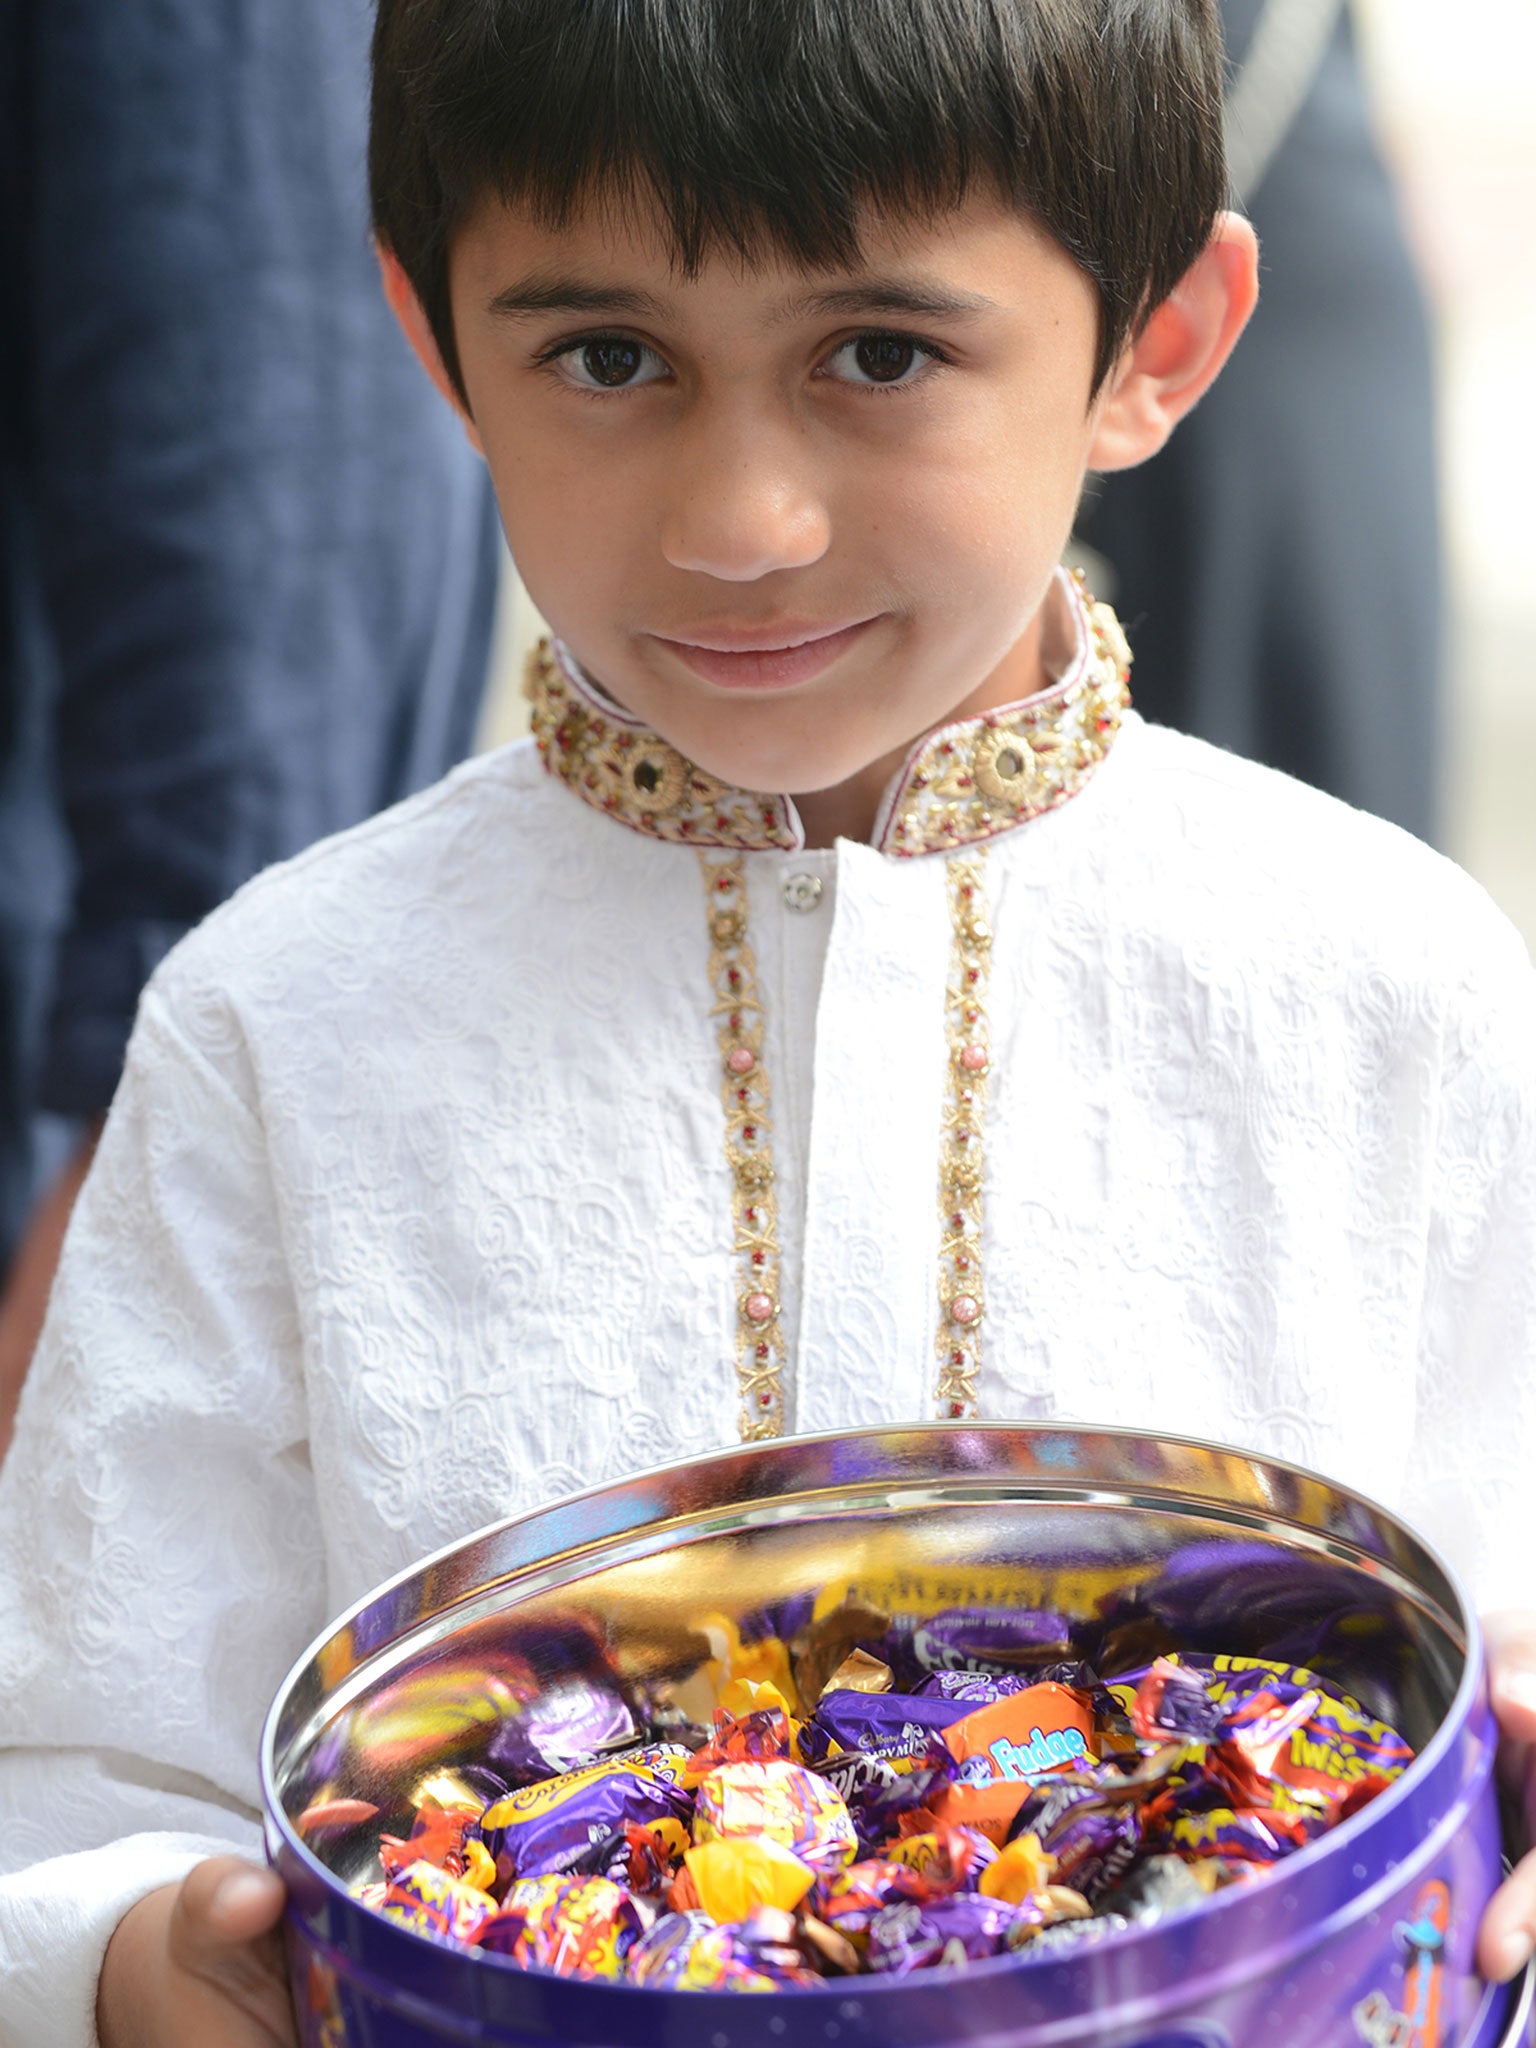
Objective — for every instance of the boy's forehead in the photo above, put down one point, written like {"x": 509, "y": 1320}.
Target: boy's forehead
{"x": 616, "y": 256}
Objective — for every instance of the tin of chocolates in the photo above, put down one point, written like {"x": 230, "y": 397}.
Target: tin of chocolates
{"x": 1288, "y": 1877}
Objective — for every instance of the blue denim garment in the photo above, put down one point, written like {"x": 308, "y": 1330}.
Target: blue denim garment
{"x": 247, "y": 562}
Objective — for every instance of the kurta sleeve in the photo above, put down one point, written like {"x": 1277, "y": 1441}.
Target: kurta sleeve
{"x": 1472, "y": 1481}
{"x": 161, "y": 1557}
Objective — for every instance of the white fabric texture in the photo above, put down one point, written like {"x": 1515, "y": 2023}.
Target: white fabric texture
{"x": 413, "y": 1213}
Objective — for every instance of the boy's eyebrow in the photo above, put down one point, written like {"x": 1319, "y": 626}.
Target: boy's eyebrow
{"x": 570, "y": 295}
{"x": 879, "y": 295}
{"x": 888, "y": 295}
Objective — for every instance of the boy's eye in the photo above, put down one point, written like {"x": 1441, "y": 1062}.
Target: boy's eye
{"x": 881, "y": 359}
{"x": 609, "y": 363}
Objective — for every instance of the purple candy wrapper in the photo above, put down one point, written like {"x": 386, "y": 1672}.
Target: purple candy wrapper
{"x": 997, "y": 1641}
{"x": 565, "y": 1730}
{"x": 962, "y": 1928}
{"x": 976, "y": 1688}
{"x": 755, "y": 1954}
{"x": 1042, "y": 1943}
{"x": 877, "y": 1792}
{"x": 886, "y": 1724}
{"x": 659, "y": 1958}
{"x": 553, "y": 1828}
{"x": 1092, "y": 1839}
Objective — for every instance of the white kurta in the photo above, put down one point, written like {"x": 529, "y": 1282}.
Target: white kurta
{"x": 413, "y": 1212}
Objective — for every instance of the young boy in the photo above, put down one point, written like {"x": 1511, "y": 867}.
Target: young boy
{"x": 608, "y": 1102}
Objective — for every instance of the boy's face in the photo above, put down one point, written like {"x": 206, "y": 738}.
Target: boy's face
{"x": 790, "y": 520}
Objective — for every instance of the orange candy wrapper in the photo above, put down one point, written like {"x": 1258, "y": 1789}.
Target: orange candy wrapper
{"x": 1002, "y": 1748}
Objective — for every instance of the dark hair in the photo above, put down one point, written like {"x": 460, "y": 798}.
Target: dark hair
{"x": 775, "y": 122}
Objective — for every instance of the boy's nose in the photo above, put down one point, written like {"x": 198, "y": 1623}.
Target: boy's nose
{"x": 742, "y": 510}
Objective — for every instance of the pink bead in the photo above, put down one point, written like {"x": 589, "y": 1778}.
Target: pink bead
{"x": 974, "y": 1059}
{"x": 741, "y": 1060}
{"x": 759, "y": 1308}
{"x": 965, "y": 1309}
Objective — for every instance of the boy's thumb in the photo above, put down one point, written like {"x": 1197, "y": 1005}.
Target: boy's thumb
{"x": 223, "y": 1905}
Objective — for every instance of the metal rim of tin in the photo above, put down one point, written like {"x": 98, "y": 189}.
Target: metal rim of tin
{"x": 596, "y": 1545}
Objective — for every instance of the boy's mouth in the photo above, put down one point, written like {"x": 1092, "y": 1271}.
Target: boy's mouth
{"x": 773, "y": 657}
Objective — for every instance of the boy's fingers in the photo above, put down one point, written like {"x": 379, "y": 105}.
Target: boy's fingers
{"x": 1507, "y": 1937}
{"x": 223, "y": 1906}
{"x": 1512, "y": 1674}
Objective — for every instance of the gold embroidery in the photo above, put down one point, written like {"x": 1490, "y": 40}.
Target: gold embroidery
{"x": 748, "y": 1152}
{"x": 963, "y": 786}
{"x": 638, "y": 777}
{"x": 962, "y": 1163}
{"x": 969, "y": 782}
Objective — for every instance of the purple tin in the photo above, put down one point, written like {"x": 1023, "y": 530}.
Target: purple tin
{"x": 1364, "y": 1936}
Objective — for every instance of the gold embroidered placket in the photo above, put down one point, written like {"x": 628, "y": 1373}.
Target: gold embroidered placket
{"x": 962, "y": 1159}
{"x": 746, "y": 1098}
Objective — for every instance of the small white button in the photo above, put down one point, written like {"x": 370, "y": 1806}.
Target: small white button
{"x": 803, "y": 892}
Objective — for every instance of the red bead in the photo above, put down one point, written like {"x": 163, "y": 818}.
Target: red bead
{"x": 749, "y": 1132}
{"x": 957, "y": 1358}
{"x": 763, "y": 1350}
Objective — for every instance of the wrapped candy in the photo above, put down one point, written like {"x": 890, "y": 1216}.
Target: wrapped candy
{"x": 889, "y": 1725}
{"x": 733, "y": 1874}
{"x": 948, "y": 1932}
{"x": 974, "y": 1688}
{"x": 1090, "y": 1835}
{"x": 575, "y": 1926}
{"x": 756, "y": 1954}
{"x": 783, "y": 1801}
{"x": 758, "y": 1736}
{"x": 1155, "y": 1889}
{"x": 659, "y": 1958}
{"x": 551, "y": 1828}
{"x": 851, "y": 1900}
{"x": 879, "y": 1792}
{"x": 564, "y": 1730}
{"x": 1062, "y": 1937}
{"x": 1002, "y": 1748}
{"x": 950, "y": 1859}
{"x": 428, "y": 1900}
{"x": 1011, "y": 1803}
{"x": 990, "y": 1639}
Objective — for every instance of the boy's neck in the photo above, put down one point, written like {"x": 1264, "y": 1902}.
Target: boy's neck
{"x": 848, "y": 810}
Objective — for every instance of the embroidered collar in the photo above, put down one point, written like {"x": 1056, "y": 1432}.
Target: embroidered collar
{"x": 960, "y": 785}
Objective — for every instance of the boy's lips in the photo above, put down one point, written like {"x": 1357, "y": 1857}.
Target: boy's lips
{"x": 767, "y": 658}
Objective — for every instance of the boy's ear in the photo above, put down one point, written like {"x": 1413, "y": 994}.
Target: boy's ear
{"x": 1181, "y": 351}
{"x": 401, "y": 294}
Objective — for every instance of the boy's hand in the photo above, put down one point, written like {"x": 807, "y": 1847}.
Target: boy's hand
{"x": 1508, "y": 1934}
{"x": 200, "y": 1965}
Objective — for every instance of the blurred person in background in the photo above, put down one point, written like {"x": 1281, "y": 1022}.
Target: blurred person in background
{"x": 247, "y": 563}
{"x": 1278, "y": 565}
